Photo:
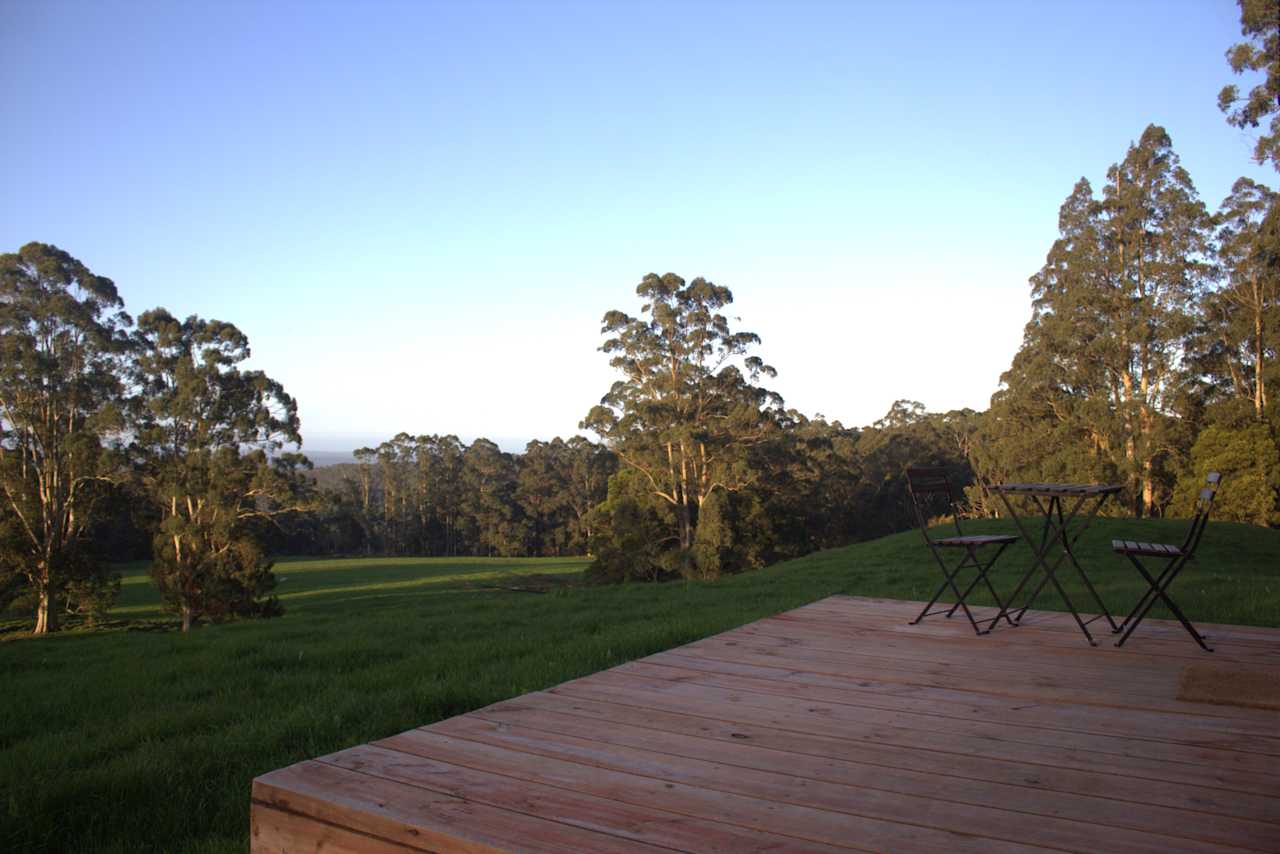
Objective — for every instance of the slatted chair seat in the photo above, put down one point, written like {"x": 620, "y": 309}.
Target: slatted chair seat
{"x": 1177, "y": 556}
{"x": 1129, "y": 547}
{"x": 931, "y": 491}
{"x": 977, "y": 540}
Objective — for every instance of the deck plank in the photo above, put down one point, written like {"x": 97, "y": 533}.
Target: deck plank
{"x": 608, "y": 720}
{"x": 834, "y": 726}
{"x": 688, "y": 793}
{"x": 964, "y": 705}
{"x": 983, "y": 740}
{"x": 777, "y": 777}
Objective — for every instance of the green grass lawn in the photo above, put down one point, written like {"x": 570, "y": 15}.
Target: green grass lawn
{"x": 146, "y": 740}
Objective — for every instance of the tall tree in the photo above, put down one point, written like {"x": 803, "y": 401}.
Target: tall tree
{"x": 62, "y": 336}
{"x": 586, "y": 485}
{"x": 1242, "y": 312}
{"x": 1259, "y": 52}
{"x": 1113, "y": 307}
{"x": 1156, "y": 237}
{"x": 489, "y": 475}
{"x": 442, "y": 468}
{"x": 542, "y": 489}
{"x": 204, "y": 429}
{"x": 687, "y": 409}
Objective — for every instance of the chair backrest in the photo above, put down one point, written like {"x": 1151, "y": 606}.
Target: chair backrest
{"x": 931, "y": 495}
{"x": 1204, "y": 503}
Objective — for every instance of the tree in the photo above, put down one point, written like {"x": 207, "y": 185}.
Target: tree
{"x": 1260, "y": 51}
{"x": 586, "y": 484}
{"x": 62, "y": 336}
{"x": 713, "y": 539}
{"x": 687, "y": 410}
{"x": 902, "y": 413}
{"x": 489, "y": 475}
{"x": 1155, "y": 238}
{"x": 1113, "y": 307}
{"x": 441, "y": 462}
{"x": 632, "y": 533}
{"x": 1241, "y": 314}
{"x": 1248, "y": 458}
{"x": 203, "y": 432}
{"x": 542, "y": 492}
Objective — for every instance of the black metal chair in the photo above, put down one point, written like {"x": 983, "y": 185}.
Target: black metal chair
{"x": 1177, "y": 557}
{"x": 931, "y": 491}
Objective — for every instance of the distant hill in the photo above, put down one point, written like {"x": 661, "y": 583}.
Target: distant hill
{"x": 329, "y": 458}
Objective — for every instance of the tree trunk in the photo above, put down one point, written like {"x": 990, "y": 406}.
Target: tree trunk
{"x": 1148, "y": 490}
{"x": 1132, "y": 475}
{"x": 1259, "y": 395}
{"x": 46, "y": 614}
{"x": 1146, "y": 429}
{"x": 186, "y": 618}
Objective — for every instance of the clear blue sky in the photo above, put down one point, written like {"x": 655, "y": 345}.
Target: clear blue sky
{"x": 419, "y": 212}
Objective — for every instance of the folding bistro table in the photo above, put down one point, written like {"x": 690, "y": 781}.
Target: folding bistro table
{"x": 1081, "y": 500}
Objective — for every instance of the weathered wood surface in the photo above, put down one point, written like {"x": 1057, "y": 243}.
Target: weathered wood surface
{"x": 833, "y": 726}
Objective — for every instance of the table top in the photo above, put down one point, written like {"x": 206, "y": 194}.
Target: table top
{"x": 1055, "y": 489}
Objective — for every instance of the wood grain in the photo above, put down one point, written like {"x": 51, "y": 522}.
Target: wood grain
{"x": 835, "y": 726}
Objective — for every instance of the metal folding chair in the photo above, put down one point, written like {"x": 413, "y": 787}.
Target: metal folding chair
{"x": 931, "y": 490}
{"x": 1177, "y": 557}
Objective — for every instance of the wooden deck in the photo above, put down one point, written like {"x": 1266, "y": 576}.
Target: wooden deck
{"x": 833, "y": 726}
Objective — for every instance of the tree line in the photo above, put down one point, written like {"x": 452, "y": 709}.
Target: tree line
{"x": 438, "y": 496}
{"x": 814, "y": 484}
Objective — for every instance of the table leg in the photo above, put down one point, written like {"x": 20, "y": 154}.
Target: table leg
{"x": 1055, "y": 503}
{"x": 1062, "y": 534}
{"x": 1055, "y": 531}
{"x": 1004, "y": 610}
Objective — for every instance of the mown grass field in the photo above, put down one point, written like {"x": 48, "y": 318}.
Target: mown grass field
{"x": 137, "y": 738}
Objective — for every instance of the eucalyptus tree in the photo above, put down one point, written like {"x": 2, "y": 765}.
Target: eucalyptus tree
{"x": 542, "y": 490}
{"x": 1157, "y": 239}
{"x": 558, "y": 485}
{"x": 365, "y": 458}
{"x": 588, "y": 468}
{"x": 1113, "y": 307}
{"x": 398, "y": 475}
{"x": 687, "y": 409}
{"x": 1242, "y": 313}
{"x": 489, "y": 477}
{"x": 209, "y": 437}
{"x": 63, "y": 333}
{"x": 1259, "y": 52}
{"x": 440, "y": 462}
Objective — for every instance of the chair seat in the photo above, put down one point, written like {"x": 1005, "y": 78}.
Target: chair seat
{"x": 1129, "y": 547}
{"x": 976, "y": 540}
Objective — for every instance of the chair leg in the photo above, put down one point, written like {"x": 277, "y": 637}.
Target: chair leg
{"x": 1157, "y": 590}
{"x": 970, "y": 558}
{"x": 948, "y": 581}
{"x": 1141, "y": 604}
{"x": 982, "y": 576}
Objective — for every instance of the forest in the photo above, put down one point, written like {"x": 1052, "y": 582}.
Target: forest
{"x": 1149, "y": 358}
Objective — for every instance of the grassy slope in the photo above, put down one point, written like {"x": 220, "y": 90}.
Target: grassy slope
{"x": 147, "y": 740}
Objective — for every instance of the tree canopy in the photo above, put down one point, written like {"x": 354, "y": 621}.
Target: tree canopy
{"x": 687, "y": 411}
{"x": 1259, "y": 52}
{"x": 62, "y": 343}
{"x": 208, "y": 436}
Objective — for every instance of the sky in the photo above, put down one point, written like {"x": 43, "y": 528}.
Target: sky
{"x": 418, "y": 213}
